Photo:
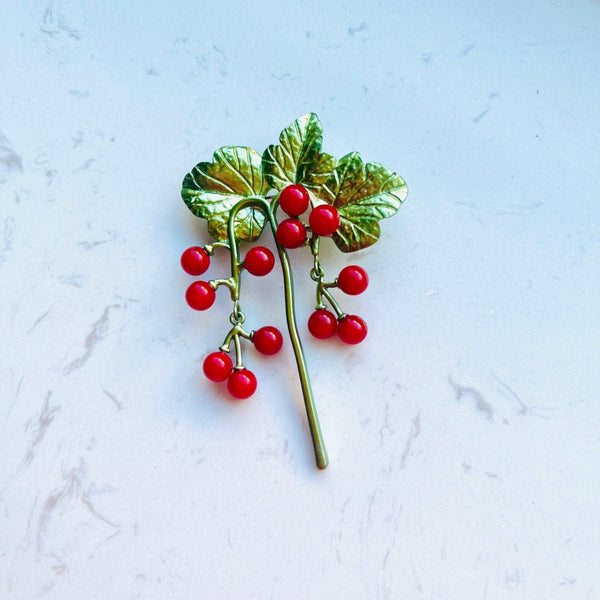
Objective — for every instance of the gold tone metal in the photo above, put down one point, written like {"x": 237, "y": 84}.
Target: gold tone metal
{"x": 363, "y": 194}
{"x": 234, "y": 193}
{"x": 336, "y": 307}
{"x": 298, "y": 158}
{"x": 311, "y": 411}
{"x": 238, "y": 352}
{"x": 210, "y": 248}
{"x": 228, "y": 283}
{"x": 211, "y": 190}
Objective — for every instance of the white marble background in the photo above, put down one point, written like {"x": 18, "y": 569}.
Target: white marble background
{"x": 464, "y": 434}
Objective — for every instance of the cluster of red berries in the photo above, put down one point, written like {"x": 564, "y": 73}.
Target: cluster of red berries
{"x": 291, "y": 233}
{"x": 294, "y": 201}
{"x": 323, "y": 220}
{"x": 351, "y": 329}
{"x": 241, "y": 382}
{"x": 200, "y": 295}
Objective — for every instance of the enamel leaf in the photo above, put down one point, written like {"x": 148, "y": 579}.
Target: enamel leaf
{"x": 298, "y": 157}
{"x": 211, "y": 190}
{"x": 363, "y": 194}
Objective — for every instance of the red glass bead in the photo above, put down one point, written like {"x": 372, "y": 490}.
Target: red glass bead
{"x": 322, "y": 324}
{"x": 294, "y": 200}
{"x": 241, "y": 383}
{"x": 217, "y": 366}
{"x": 259, "y": 261}
{"x": 195, "y": 260}
{"x": 352, "y": 329}
{"x": 200, "y": 295}
{"x": 353, "y": 280}
{"x": 268, "y": 340}
{"x": 291, "y": 233}
{"x": 324, "y": 219}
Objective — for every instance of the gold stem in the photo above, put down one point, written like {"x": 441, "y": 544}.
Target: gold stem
{"x": 311, "y": 411}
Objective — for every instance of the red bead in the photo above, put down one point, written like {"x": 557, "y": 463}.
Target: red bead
{"x": 241, "y": 384}
{"x": 322, "y": 324}
{"x": 200, "y": 295}
{"x": 291, "y": 233}
{"x": 268, "y": 340}
{"x": 324, "y": 219}
{"x": 259, "y": 261}
{"x": 294, "y": 200}
{"x": 195, "y": 260}
{"x": 353, "y": 280}
{"x": 352, "y": 329}
{"x": 217, "y": 366}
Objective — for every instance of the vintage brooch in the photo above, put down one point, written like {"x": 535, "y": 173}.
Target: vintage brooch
{"x": 240, "y": 193}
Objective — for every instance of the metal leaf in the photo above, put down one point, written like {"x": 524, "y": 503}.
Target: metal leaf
{"x": 298, "y": 157}
{"x": 363, "y": 194}
{"x": 211, "y": 190}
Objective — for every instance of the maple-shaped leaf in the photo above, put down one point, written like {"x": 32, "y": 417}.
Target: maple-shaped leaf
{"x": 211, "y": 189}
{"x": 363, "y": 193}
{"x": 298, "y": 157}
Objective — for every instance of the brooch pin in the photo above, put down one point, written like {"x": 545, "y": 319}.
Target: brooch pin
{"x": 240, "y": 193}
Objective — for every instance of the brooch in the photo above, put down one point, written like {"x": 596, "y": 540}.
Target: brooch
{"x": 241, "y": 193}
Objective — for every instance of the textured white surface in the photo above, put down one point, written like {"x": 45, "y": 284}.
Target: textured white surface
{"x": 464, "y": 434}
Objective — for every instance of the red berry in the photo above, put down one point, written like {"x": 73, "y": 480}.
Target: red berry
{"x": 268, "y": 340}
{"x": 291, "y": 233}
{"x": 200, "y": 295}
{"x": 322, "y": 324}
{"x": 217, "y": 366}
{"x": 294, "y": 200}
{"x": 352, "y": 329}
{"x": 324, "y": 219}
{"x": 259, "y": 261}
{"x": 242, "y": 383}
{"x": 195, "y": 260}
{"x": 353, "y": 280}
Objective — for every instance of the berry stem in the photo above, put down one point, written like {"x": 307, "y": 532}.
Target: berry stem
{"x": 238, "y": 352}
{"x": 229, "y": 283}
{"x": 236, "y": 330}
{"x": 210, "y": 248}
{"x": 336, "y": 307}
{"x": 317, "y": 275}
{"x": 311, "y": 411}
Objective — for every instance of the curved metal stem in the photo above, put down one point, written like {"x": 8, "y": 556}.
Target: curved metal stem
{"x": 239, "y": 363}
{"x": 336, "y": 307}
{"x": 311, "y": 411}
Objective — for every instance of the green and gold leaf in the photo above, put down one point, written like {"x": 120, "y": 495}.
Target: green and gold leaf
{"x": 363, "y": 194}
{"x": 211, "y": 190}
{"x": 298, "y": 157}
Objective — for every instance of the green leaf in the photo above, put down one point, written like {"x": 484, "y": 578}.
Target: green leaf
{"x": 211, "y": 190}
{"x": 298, "y": 157}
{"x": 363, "y": 194}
